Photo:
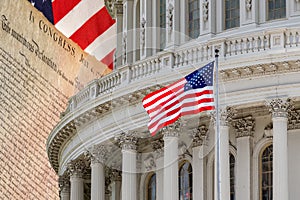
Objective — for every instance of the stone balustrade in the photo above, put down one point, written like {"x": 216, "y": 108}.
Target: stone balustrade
{"x": 229, "y": 47}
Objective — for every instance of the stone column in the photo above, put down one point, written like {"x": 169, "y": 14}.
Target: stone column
{"x": 199, "y": 164}
{"x": 115, "y": 184}
{"x": 279, "y": 109}
{"x": 222, "y": 181}
{"x": 159, "y": 156}
{"x": 171, "y": 134}
{"x": 244, "y": 136}
{"x": 129, "y": 166}
{"x": 64, "y": 185}
{"x": 76, "y": 169}
{"x": 97, "y": 155}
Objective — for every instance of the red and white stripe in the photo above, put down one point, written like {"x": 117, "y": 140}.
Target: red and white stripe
{"x": 168, "y": 104}
{"x": 88, "y": 23}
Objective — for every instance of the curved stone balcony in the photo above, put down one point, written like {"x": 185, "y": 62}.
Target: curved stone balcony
{"x": 253, "y": 67}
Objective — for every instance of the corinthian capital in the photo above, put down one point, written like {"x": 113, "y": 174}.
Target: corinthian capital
{"x": 172, "y": 130}
{"x": 198, "y": 135}
{"x": 225, "y": 116}
{"x": 64, "y": 183}
{"x": 77, "y": 167}
{"x": 97, "y": 154}
{"x": 244, "y": 126}
{"x": 279, "y": 107}
{"x": 127, "y": 141}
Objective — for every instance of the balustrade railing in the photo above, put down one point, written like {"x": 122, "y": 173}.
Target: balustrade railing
{"x": 200, "y": 52}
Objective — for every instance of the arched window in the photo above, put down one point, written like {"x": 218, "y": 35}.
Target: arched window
{"x": 185, "y": 182}
{"x": 151, "y": 188}
{"x": 276, "y": 9}
{"x": 266, "y": 176}
{"x": 162, "y": 23}
{"x": 232, "y": 13}
{"x": 194, "y": 18}
{"x": 232, "y": 176}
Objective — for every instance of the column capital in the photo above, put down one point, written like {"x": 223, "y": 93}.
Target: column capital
{"x": 127, "y": 141}
{"x": 64, "y": 183}
{"x": 97, "y": 154}
{"x": 244, "y": 126}
{"x": 158, "y": 147}
{"x": 77, "y": 168}
{"x": 198, "y": 135}
{"x": 279, "y": 107}
{"x": 115, "y": 175}
{"x": 172, "y": 130}
{"x": 226, "y": 116}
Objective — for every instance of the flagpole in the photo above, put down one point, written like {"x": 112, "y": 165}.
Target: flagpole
{"x": 217, "y": 123}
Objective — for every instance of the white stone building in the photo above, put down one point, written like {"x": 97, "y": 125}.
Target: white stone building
{"x": 101, "y": 148}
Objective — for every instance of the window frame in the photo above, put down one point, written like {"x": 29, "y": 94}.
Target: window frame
{"x": 267, "y": 11}
{"x": 190, "y": 174}
{"x": 261, "y": 172}
{"x": 225, "y": 19}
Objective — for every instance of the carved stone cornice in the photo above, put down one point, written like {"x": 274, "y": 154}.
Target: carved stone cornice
{"x": 172, "y": 130}
{"x": 279, "y": 107}
{"x": 77, "y": 168}
{"x": 198, "y": 135}
{"x": 244, "y": 126}
{"x": 97, "y": 154}
{"x": 158, "y": 147}
{"x": 226, "y": 116}
{"x": 127, "y": 141}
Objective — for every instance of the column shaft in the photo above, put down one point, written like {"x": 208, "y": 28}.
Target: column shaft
{"x": 243, "y": 168}
{"x": 280, "y": 156}
{"x": 159, "y": 178}
{"x": 129, "y": 175}
{"x": 171, "y": 168}
{"x": 198, "y": 174}
{"x": 76, "y": 187}
{"x": 222, "y": 165}
{"x": 65, "y": 194}
{"x": 97, "y": 181}
{"x": 116, "y": 189}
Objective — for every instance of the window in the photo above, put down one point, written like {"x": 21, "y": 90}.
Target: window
{"x": 232, "y": 176}
{"x": 162, "y": 23}
{"x": 185, "y": 182}
{"x": 266, "y": 166}
{"x": 232, "y": 13}
{"x": 152, "y": 188}
{"x": 194, "y": 18}
{"x": 276, "y": 9}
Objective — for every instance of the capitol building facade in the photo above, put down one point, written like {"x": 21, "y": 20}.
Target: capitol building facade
{"x": 102, "y": 149}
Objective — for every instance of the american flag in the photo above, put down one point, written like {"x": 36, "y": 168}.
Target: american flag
{"x": 189, "y": 95}
{"x": 86, "y": 22}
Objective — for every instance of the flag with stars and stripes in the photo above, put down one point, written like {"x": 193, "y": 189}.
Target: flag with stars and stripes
{"x": 189, "y": 95}
{"x": 86, "y": 22}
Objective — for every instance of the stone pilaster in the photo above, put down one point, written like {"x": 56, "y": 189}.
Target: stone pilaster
{"x": 280, "y": 109}
{"x": 64, "y": 187}
{"x": 158, "y": 147}
{"x": 171, "y": 134}
{"x": 244, "y": 133}
{"x": 76, "y": 169}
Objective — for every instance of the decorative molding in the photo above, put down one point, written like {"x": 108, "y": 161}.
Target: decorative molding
{"x": 244, "y": 126}
{"x": 158, "y": 147}
{"x": 248, "y": 5}
{"x": 268, "y": 132}
{"x": 205, "y": 11}
{"x": 170, "y": 17}
{"x": 294, "y": 120}
{"x": 279, "y": 107}
{"x": 198, "y": 135}
{"x": 149, "y": 163}
{"x": 127, "y": 141}
{"x": 64, "y": 183}
{"x": 77, "y": 168}
{"x": 124, "y": 47}
{"x": 143, "y": 29}
{"x": 172, "y": 130}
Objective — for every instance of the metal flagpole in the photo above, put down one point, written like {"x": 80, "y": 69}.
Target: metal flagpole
{"x": 217, "y": 135}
